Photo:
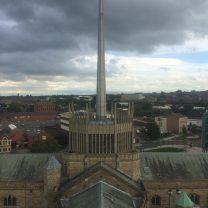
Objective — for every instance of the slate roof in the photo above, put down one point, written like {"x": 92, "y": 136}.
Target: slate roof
{"x": 5, "y": 132}
{"x": 53, "y": 164}
{"x": 174, "y": 166}
{"x": 101, "y": 195}
{"x": 23, "y": 167}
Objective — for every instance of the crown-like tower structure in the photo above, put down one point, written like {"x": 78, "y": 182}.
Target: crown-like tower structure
{"x": 101, "y": 136}
{"x": 101, "y": 80}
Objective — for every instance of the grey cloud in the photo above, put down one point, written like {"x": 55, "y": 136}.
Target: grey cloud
{"x": 42, "y": 37}
{"x": 139, "y": 25}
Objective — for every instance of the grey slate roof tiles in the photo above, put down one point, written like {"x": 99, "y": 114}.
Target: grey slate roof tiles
{"x": 23, "y": 167}
{"x": 174, "y": 166}
{"x": 101, "y": 195}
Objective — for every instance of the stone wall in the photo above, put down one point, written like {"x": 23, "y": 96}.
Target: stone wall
{"x": 128, "y": 163}
{"x": 161, "y": 188}
{"x": 52, "y": 180}
{"x": 28, "y": 195}
{"x": 100, "y": 175}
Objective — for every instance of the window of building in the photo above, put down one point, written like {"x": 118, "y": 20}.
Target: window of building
{"x": 10, "y": 201}
{"x": 5, "y": 142}
{"x": 156, "y": 200}
{"x": 195, "y": 198}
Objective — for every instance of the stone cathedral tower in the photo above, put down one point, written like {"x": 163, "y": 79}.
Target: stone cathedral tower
{"x": 100, "y": 136}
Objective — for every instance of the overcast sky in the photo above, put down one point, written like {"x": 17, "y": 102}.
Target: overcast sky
{"x": 50, "y": 46}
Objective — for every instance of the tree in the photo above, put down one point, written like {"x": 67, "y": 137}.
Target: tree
{"x": 62, "y": 139}
{"x": 184, "y": 131}
{"x": 14, "y": 107}
{"x": 193, "y": 129}
{"x": 153, "y": 131}
{"x": 46, "y": 146}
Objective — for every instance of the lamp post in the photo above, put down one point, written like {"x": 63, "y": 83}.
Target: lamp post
{"x": 178, "y": 191}
{"x": 170, "y": 192}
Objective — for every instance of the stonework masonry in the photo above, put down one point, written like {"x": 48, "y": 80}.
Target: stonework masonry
{"x": 161, "y": 188}
{"x": 128, "y": 163}
{"x": 28, "y": 195}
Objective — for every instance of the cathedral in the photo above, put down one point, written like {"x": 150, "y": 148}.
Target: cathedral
{"x": 101, "y": 167}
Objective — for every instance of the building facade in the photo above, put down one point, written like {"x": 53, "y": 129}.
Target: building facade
{"x": 176, "y": 122}
{"x": 162, "y": 123}
{"x": 44, "y": 107}
{"x": 5, "y": 144}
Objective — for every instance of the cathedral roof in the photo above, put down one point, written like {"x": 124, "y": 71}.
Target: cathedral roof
{"x": 100, "y": 195}
{"x": 23, "y": 167}
{"x": 174, "y": 166}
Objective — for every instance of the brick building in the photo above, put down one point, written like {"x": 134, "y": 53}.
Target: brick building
{"x": 44, "y": 107}
{"x": 28, "y": 116}
{"x": 176, "y": 122}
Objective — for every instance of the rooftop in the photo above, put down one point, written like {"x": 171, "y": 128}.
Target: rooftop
{"x": 23, "y": 167}
{"x": 100, "y": 195}
{"x": 174, "y": 166}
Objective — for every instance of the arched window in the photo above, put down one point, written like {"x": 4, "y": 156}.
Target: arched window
{"x": 195, "y": 198}
{"x": 4, "y": 141}
{"x": 156, "y": 200}
{"x": 10, "y": 201}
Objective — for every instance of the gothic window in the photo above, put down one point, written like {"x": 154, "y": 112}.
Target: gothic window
{"x": 156, "y": 200}
{"x": 195, "y": 198}
{"x": 10, "y": 201}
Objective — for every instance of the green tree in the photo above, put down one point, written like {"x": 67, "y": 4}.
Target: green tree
{"x": 184, "y": 131}
{"x": 153, "y": 131}
{"x": 46, "y": 146}
{"x": 14, "y": 107}
{"x": 193, "y": 129}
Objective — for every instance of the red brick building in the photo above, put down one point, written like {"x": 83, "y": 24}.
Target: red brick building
{"x": 176, "y": 122}
{"x": 45, "y": 107}
{"x": 28, "y": 116}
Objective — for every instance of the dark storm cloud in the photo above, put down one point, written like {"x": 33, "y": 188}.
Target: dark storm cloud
{"x": 42, "y": 37}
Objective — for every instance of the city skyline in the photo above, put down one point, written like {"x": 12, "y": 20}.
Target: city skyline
{"x": 51, "y": 48}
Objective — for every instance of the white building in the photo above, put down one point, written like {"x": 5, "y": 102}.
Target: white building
{"x": 165, "y": 107}
{"x": 162, "y": 123}
{"x": 65, "y": 121}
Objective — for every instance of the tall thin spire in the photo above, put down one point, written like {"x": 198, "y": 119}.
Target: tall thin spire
{"x": 101, "y": 83}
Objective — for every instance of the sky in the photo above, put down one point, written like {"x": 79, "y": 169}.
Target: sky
{"x": 50, "y": 47}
